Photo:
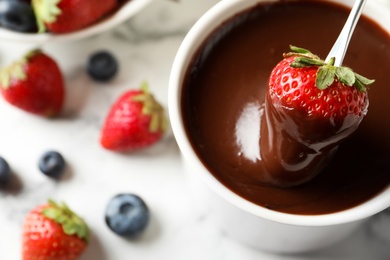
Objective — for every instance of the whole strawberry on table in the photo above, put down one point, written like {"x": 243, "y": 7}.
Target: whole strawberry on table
{"x": 53, "y": 232}
{"x": 34, "y": 84}
{"x": 135, "y": 121}
{"x": 311, "y": 107}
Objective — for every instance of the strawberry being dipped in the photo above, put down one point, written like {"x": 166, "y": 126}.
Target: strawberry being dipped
{"x": 64, "y": 16}
{"x": 34, "y": 83}
{"x": 311, "y": 107}
{"x": 53, "y": 232}
{"x": 135, "y": 121}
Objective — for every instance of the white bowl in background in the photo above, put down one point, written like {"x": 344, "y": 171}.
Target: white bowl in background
{"x": 127, "y": 10}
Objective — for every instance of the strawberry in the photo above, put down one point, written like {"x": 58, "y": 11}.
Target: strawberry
{"x": 34, "y": 83}
{"x": 136, "y": 120}
{"x": 53, "y": 232}
{"x": 64, "y": 16}
{"x": 310, "y": 108}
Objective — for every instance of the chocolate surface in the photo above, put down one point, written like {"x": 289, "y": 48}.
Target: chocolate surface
{"x": 224, "y": 92}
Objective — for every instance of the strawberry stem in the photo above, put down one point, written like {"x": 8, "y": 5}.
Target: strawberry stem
{"x": 327, "y": 72}
{"x": 46, "y": 11}
{"x": 16, "y": 71}
{"x": 152, "y": 108}
{"x": 71, "y": 223}
{"x": 332, "y": 61}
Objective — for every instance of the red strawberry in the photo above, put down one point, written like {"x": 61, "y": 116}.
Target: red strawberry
{"x": 64, "y": 16}
{"x": 311, "y": 106}
{"x": 53, "y": 232}
{"x": 34, "y": 84}
{"x": 135, "y": 121}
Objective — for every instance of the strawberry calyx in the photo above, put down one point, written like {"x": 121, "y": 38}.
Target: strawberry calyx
{"x": 327, "y": 73}
{"x": 71, "y": 223}
{"x": 46, "y": 11}
{"x": 16, "y": 71}
{"x": 152, "y": 108}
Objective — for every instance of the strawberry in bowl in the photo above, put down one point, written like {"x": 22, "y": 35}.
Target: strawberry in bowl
{"x": 62, "y": 20}
{"x": 64, "y": 16}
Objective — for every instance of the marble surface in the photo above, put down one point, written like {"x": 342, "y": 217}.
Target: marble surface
{"x": 145, "y": 46}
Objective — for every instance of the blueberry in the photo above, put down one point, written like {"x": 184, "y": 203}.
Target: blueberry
{"x": 17, "y": 15}
{"x": 102, "y": 66}
{"x": 127, "y": 215}
{"x": 5, "y": 172}
{"x": 52, "y": 164}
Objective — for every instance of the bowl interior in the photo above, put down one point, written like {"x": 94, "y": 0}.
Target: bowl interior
{"x": 194, "y": 39}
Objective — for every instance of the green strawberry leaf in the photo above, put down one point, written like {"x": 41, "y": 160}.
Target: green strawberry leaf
{"x": 345, "y": 75}
{"x": 325, "y": 76}
{"x": 327, "y": 71}
{"x": 301, "y": 62}
{"x": 61, "y": 219}
{"x": 144, "y": 86}
{"x": 299, "y": 50}
{"x": 360, "y": 86}
{"x": 152, "y": 108}
{"x": 16, "y": 71}
{"x": 46, "y": 11}
{"x": 364, "y": 80}
{"x": 70, "y": 222}
{"x": 51, "y": 213}
{"x": 69, "y": 228}
{"x": 13, "y": 72}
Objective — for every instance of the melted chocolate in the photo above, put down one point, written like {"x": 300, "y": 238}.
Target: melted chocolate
{"x": 224, "y": 93}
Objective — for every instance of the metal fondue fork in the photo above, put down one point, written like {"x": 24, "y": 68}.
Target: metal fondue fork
{"x": 341, "y": 45}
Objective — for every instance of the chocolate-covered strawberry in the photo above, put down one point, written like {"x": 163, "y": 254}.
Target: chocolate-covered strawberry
{"x": 311, "y": 107}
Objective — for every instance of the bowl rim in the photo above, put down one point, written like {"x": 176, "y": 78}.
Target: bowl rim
{"x": 128, "y": 10}
{"x": 195, "y": 37}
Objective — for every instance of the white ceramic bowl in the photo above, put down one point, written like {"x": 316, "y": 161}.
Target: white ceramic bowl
{"x": 244, "y": 220}
{"x": 128, "y": 10}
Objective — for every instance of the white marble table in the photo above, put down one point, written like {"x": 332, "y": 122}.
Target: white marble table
{"x": 145, "y": 46}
